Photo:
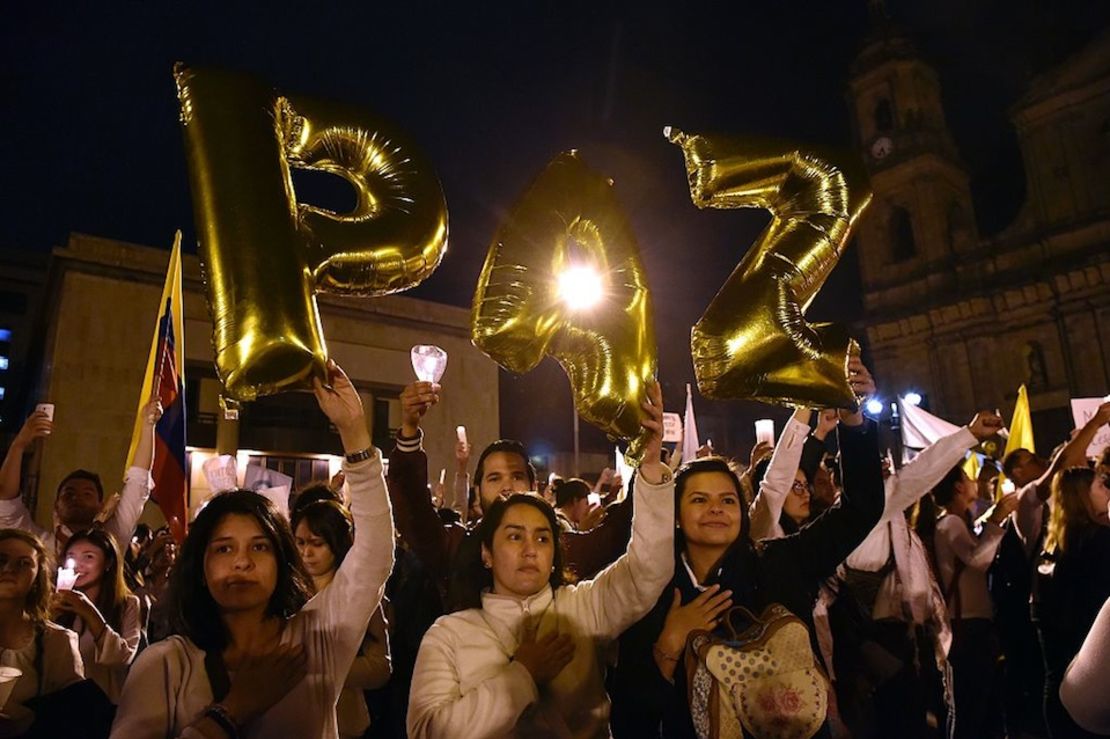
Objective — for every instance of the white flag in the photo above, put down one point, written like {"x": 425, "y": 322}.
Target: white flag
{"x": 690, "y": 441}
{"x": 921, "y": 428}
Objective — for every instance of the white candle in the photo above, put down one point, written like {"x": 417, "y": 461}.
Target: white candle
{"x": 765, "y": 431}
{"x": 442, "y": 474}
{"x": 67, "y": 576}
{"x": 460, "y": 432}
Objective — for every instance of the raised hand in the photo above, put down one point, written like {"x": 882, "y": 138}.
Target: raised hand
{"x": 1006, "y": 505}
{"x": 342, "y": 405}
{"x": 985, "y": 425}
{"x": 417, "y": 399}
{"x": 826, "y": 422}
{"x": 37, "y": 425}
{"x": 652, "y": 468}
{"x": 593, "y": 518}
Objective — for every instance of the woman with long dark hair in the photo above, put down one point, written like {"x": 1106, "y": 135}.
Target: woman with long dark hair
{"x": 324, "y": 533}
{"x": 717, "y": 565}
{"x": 253, "y": 656}
{"x": 1072, "y": 580}
{"x": 101, "y": 609}
{"x": 524, "y": 657}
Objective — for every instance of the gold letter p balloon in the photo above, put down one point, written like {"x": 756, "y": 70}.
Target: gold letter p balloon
{"x": 753, "y": 340}
{"x": 265, "y": 255}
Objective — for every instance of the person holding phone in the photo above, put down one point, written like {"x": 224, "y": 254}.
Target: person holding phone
{"x": 80, "y": 494}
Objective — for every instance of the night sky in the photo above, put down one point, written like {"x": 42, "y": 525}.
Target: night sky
{"x": 492, "y": 91}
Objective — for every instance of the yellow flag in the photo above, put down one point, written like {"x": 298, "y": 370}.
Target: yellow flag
{"x": 1021, "y": 425}
{"x": 971, "y": 466}
{"x": 171, "y": 291}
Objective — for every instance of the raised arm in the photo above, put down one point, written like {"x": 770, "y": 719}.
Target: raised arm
{"x": 460, "y": 487}
{"x": 13, "y": 514}
{"x": 348, "y": 602}
{"x": 623, "y": 592}
{"x": 136, "y": 481}
{"x": 37, "y": 426}
{"x": 419, "y": 524}
{"x": 775, "y": 486}
{"x": 976, "y": 552}
{"x": 933, "y": 463}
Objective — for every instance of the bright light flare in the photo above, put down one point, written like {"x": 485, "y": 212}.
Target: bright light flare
{"x": 580, "y": 287}
{"x": 912, "y": 398}
{"x": 875, "y": 407}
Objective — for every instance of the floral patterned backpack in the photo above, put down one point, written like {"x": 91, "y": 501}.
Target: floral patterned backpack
{"x": 763, "y": 681}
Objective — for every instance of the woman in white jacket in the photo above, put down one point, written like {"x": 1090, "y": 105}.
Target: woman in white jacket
{"x": 526, "y": 659}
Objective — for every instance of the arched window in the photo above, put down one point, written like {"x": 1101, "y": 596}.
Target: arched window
{"x": 1034, "y": 365}
{"x": 884, "y": 115}
{"x": 902, "y": 246}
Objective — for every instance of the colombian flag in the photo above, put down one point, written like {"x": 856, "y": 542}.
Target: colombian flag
{"x": 165, "y": 376}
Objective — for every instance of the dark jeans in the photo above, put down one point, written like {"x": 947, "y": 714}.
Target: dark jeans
{"x": 976, "y": 679}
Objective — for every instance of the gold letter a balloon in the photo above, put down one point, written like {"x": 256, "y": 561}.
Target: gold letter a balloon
{"x": 264, "y": 254}
{"x": 563, "y": 277}
{"x": 753, "y": 340}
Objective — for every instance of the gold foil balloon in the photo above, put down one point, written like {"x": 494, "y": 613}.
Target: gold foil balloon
{"x": 563, "y": 278}
{"x": 753, "y": 340}
{"x": 265, "y": 255}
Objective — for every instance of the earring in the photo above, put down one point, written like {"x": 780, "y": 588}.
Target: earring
{"x": 487, "y": 565}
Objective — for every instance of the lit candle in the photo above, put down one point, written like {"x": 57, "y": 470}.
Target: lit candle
{"x": 67, "y": 575}
{"x": 460, "y": 431}
{"x": 428, "y": 362}
{"x": 442, "y": 475}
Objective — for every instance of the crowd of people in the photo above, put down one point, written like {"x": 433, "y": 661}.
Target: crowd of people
{"x": 818, "y": 590}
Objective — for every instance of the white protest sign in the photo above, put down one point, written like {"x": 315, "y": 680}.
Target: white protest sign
{"x": 1081, "y": 410}
{"x": 672, "y": 427}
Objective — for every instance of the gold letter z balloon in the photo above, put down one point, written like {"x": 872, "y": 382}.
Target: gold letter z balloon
{"x": 265, "y": 256}
{"x": 753, "y": 340}
{"x": 563, "y": 278}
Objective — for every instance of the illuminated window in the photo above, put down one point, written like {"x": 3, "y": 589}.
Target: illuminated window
{"x": 5, "y": 334}
{"x": 3, "y": 363}
{"x": 1, "y": 392}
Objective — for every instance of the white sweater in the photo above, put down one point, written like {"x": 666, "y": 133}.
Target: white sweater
{"x": 465, "y": 683}
{"x": 168, "y": 687}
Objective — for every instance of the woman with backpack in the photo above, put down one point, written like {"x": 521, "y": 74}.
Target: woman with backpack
{"x": 717, "y": 566}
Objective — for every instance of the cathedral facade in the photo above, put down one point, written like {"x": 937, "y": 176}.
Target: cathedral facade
{"x": 965, "y": 318}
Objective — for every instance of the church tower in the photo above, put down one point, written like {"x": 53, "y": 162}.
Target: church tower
{"x": 921, "y": 218}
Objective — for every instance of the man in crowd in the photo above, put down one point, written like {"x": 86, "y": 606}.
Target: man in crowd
{"x": 80, "y": 495}
{"x": 502, "y": 469}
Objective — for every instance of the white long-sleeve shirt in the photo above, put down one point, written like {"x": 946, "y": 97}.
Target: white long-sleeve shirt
{"x": 777, "y": 481}
{"x": 108, "y": 658}
{"x": 465, "y": 683}
{"x": 137, "y": 483}
{"x": 168, "y": 687}
{"x": 955, "y": 541}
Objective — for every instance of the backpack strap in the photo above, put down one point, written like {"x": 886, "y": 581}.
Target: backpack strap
{"x": 40, "y": 657}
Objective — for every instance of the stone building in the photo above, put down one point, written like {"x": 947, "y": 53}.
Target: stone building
{"x": 960, "y": 316}
{"x": 99, "y": 313}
